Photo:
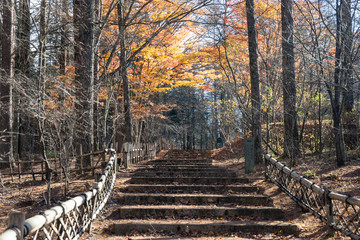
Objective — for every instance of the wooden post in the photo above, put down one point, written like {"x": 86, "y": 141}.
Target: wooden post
{"x": 143, "y": 147}
{"x": 19, "y": 170}
{"x": 81, "y": 160}
{"x": 95, "y": 186}
{"x": 103, "y": 155}
{"x": 139, "y": 152}
{"x": 137, "y": 146}
{"x": 329, "y": 211}
{"x": 42, "y": 170}
{"x": 154, "y": 151}
{"x": 116, "y": 163}
{"x": 149, "y": 151}
{"x": 130, "y": 154}
{"x": 142, "y": 152}
{"x": 1, "y": 182}
{"x": 92, "y": 164}
{"x": 17, "y": 219}
{"x": 135, "y": 153}
{"x": 32, "y": 168}
{"x": 136, "y": 149}
{"x": 267, "y": 162}
{"x": 126, "y": 155}
{"x": 11, "y": 171}
{"x": 97, "y": 177}
{"x": 131, "y": 151}
{"x": 146, "y": 154}
{"x": 249, "y": 155}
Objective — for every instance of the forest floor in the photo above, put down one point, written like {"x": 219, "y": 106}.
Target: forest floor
{"x": 347, "y": 182}
{"x": 28, "y": 196}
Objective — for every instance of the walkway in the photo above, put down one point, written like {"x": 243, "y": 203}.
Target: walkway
{"x": 184, "y": 194}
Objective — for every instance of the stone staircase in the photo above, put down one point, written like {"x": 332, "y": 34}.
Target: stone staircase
{"x": 183, "y": 194}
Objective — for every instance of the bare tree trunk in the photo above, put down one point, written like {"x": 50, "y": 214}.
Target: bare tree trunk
{"x": 291, "y": 136}
{"x": 124, "y": 73}
{"x": 97, "y": 33}
{"x": 6, "y": 116}
{"x": 255, "y": 80}
{"x": 41, "y": 78}
{"x": 22, "y": 65}
{"x": 350, "y": 119}
{"x": 335, "y": 100}
{"x": 84, "y": 73}
{"x": 64, "y": 34}
{"x": 42, "y": 41}
{"x": 24, "y": 27}
{"x": 214, "y": 112}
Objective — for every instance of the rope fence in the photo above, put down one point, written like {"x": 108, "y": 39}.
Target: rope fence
{"x": 138, "y": 152}
{"x": 72, "y": 217}
{"x": 340, "y": 212}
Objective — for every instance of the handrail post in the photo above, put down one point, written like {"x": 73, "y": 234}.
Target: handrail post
{"x": 131, "y": 154}
{"x": 81, "y": 159}
{"x": 266, "y": 168}
{"x": 329, "y": 211}
{"x": 17, "y": 219}
{"x": 94, "y": 203}
{"x": 155, "y": 151}
{"x": 116, "y": 165}
{"x": 103, "y": 156}
{"x": 126, "y": 155}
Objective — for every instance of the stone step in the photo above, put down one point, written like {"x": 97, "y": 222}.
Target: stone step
{"x": 189, "y": 180}
{"x": 176, "y": 168}
{"x": 149, "y": 165}
{"x": 203, "y": 226}
{"x": 186, "y": 236}
{"x": 198, "y": 211}
{"x": 184, "y": 193}
{"x": 192, "y": 199}
{"x": 190, "y": 188}
{"x": 179, "y": 174}
{"x": 193, "y": 155}
{"x": 177, "y": 164}
{"x": 186, "y": 157}
{"x": 182, "y": 161}
{"x": 193, "y": 168}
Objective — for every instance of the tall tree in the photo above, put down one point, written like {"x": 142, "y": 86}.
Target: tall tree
{"x": 291, "y": 136}
{"x": 41, "y": 77}
{"x": 84, "y": 72}
{"x": 64, "y": 37}
{"x": 338, "y": 82}
{"x": 124, "y": 72}
{"x": 22, "y": 66}
{"x": 347, "y": 38}
{"x": 42, "y": 41}
{"x": 6, "y": 116}
{"x": 23, "y": 48}
{"x": 255, "y": 80}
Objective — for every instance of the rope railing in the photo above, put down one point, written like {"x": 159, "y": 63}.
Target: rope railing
{"x": 72, "y": 217}
{"x": 338, "y": 211}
